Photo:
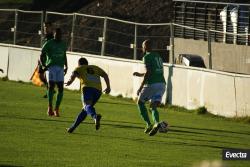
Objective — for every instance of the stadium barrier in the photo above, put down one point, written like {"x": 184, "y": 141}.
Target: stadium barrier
{"x": 4, "y": 59}
{"x": 84, "y": 33}
{"x": 106, "y": 36}
{"x": 222, "y": 93}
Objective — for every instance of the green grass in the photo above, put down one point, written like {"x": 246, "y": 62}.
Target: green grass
{"x": 28, "y": 137}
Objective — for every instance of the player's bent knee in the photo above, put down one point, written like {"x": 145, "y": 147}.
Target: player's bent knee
{"x": 51, "y": 87}
{"x": 155, "y": 104}
{"x": 60, "y": 90}
{"x": 51, "y": 84}
{"x": 88, "y": 102}
{"x": 87, "y": 106}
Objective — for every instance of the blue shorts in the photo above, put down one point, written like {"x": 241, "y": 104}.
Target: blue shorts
{"x": 90, "y": 94}
{"x": 153, "y": 92}
{"x": 55, "y": 74}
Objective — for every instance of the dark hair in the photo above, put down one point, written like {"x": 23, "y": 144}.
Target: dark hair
{"x": 48, "y": 23}
{"x": 58, "y": 34}
{"x": 148, "y": 43}
{"x": 83, "y": 61}
{"x": 58, "y": 30}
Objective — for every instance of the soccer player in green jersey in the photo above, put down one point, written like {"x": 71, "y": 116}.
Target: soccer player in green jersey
{"x": 48, "y": 35}
{"x": 152, "y": 87}
{"x": 54, "y": 52}
{"x": 91, "y": 87}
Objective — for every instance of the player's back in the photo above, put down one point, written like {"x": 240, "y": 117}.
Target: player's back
{"x": 90, "y": 76}
{"x": 55, "y": 52}
{"x": 154, "y": 62}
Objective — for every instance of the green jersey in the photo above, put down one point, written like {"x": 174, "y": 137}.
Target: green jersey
{"x": 47, "y": 38}
{"x": 154, "y": 62}
{"x": 55, "y": 52}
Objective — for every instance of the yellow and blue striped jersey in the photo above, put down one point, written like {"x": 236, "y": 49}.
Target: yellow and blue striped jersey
{"x": 89, "y": 76}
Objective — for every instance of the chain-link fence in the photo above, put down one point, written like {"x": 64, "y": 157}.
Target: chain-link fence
{"x": 20, "y": 27}
{"x": 84, "y": 33}
{"x": 28, "y": 29}
{"x": 106, "y": 36}
{"x": 7, "y": 23}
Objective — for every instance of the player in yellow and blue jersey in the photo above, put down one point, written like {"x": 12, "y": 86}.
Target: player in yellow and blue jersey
{"x": 90, "y": 79}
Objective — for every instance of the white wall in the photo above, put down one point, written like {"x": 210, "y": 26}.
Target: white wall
{"x": 242, "y": 84}
{"x": 22, "y": 63}
{"x": 4, "y": 51}
{"x": 221, "y": 93}
{"x": 119, "y": 71}
{"x": 193, "y": 87}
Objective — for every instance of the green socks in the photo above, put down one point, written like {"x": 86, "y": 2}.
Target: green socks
{"x": 155, "y": 115}
{"x": 50, "y": 97}
{"x": 59, "y": 99}
{"x": 144, "y": 113}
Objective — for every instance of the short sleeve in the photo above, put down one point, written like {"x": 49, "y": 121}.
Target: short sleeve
{"x": 77, "y": 70}
{"x": 147, "y": 61}
{"x": 99, "y": 71}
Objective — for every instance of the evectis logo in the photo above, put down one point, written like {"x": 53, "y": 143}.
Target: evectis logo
{"x": 236, "y": 155}
{"x": 233, "y": 154}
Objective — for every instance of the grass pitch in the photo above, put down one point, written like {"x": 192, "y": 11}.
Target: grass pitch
{"x": 28, "y": 137}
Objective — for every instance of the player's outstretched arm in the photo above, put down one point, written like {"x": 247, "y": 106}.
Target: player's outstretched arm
{"x": 106, "y": 79}
{"x": 137, "y": 74}
{"x": 66, "y": 65}
{"x": 72, "y": 78}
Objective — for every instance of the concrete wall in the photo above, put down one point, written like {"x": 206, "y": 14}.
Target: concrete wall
{"x": 23, "y": 61}
{"x": 4, "y": 52}
{"x": 221, "y": 93}
{"x": 193, "y": 88}
{"x": 225, "y": 57}
{"x": 242, "y": 95}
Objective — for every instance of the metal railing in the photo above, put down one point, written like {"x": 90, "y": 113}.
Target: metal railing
{"x": 225, "y": 17}
{"x": 84, "y": 33}
{"x": 107, "y": 36}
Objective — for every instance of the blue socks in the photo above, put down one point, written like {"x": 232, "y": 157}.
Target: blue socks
{"x": 81, "y": 116}
{"x": 90, "y": 111}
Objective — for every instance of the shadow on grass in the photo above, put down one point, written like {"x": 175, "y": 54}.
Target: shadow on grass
{"x": 34, "y": 119}
{"x": 104, "y": 123}
{"x": 184, "y": 132}
{"x": 3, "y": 165}
{"x": 152, "y": 140}
{"x": 117, "y": 103}
{"x": 211, "y": 130}
{"x": 199, "y": 139}
{"x": 134, "y": 125}
{"x": 173, "y": 130}
{"x": 125, "y": 122}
